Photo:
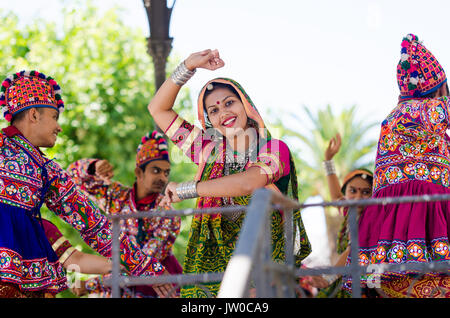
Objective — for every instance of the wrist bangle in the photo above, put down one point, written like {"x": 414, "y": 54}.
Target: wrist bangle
{"x": 181, "y": 74}
{"x": 187, "y": 190}
{"x": 329, "y": 167}
{"x": 330, "y": 278}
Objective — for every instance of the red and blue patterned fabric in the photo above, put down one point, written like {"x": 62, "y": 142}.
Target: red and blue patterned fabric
{"x": 26, "y": 89}
{"x": 418, "y": 71}
{"x": 28, "y": 180}
{"x": 155, "y": 236}
{"x": 413, "y": 144}
{"x": 153, "y": 146}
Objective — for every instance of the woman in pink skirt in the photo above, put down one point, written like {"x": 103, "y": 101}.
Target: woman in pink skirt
{"x": 412, "y": 159}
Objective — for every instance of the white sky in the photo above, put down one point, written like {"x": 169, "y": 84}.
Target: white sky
{"x": 289, "y": 53}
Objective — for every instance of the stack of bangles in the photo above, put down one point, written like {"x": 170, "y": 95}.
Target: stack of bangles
{"x": 187, "y": 190}
{"x": 181, "y": 74}
{"x": 331, "y": 278}
{"x": 329, "y": 167}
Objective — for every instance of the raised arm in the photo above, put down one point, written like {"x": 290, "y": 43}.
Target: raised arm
{"x": 88, "y": 263}
{"x": 91, "y": 175}
{"x": 160, "y": 107}
{"x": 334, "y": 185}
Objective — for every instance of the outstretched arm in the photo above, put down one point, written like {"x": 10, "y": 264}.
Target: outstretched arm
{"x": 88, "y": 263}
{"x": 72, "y": 206}
{"x": 272, "y": 163}
{"x": 334, "y": 185}
{"x": 160, "y": 107}
{"x": 235, "y": 185}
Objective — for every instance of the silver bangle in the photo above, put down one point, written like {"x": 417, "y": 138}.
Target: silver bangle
{"x": 181, "y": 74}
{"x": 329, "y": 167}
{"x": 330, "y": 278}
{"x": 187, "y": 190}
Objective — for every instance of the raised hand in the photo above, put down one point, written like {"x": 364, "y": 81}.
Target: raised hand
{"x": 104, "y": 170}
{"x": 333, "y": 147}
{"x": 207, "y": 59}
{"x": 170, "y": 195}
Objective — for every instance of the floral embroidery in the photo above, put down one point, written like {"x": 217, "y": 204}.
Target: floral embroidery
{"x": 397, "y": 254}
{"x": 22, "y": 178}
{"x": 421, "y": 171}
{"x": 380, "y": 254}
{"x": 36, "y": 270}
{"x": 394, "y": 174}
{"x": 363, "y": 260}
{"x": 441, "y": 248}
{"x": 4, "y": 260}
{"x": 436, "y": 114}
{"x": 415, "y": 251}
{"x": 435, "y": 173}
{"x": 35, "y": 274}
{"x": 413, "y": 144}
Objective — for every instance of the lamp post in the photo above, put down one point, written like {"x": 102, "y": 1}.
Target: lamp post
{"x": 159, "y": 42}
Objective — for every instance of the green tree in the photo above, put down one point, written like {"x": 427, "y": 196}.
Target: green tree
{"x": 106, "y": 77}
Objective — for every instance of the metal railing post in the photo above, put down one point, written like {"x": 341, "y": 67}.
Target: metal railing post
{"x": 252, "y": 258}
{"x": 289, "y": 291}
{"x": 237, "y": 275}
{"x": 115, "y": 273}
{"x": 354, "y": 252}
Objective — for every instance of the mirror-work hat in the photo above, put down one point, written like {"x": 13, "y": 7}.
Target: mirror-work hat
{"x": 418, "y": 71}
{"x": 27, "y": 89}
{"x": 153, "y": 146}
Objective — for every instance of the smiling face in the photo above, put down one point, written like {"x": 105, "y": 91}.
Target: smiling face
{"x": 226, "y": 112}
{"x": 46, "y": 127}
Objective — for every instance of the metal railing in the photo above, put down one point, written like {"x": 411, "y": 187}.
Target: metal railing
{"x": 251, "y": 265}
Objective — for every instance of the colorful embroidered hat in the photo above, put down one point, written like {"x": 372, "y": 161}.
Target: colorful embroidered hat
{"x": 152, "y": 147}
{"x": 26, "y": 89}
{"x": 418, "y": 71}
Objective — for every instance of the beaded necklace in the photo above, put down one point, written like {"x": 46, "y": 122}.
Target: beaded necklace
{"x": 235, "y": 162}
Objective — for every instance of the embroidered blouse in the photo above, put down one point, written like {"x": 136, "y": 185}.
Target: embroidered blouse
{"x": 413, "y": 144}
{"x": 25, "y": 173}
{"x": 155, "y": 235}
{"x": 272, "y": 158}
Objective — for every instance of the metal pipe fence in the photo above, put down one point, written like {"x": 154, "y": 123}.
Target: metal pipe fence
{"x": 252, "y": 267}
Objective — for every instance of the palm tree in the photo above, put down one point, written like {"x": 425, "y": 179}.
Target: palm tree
{"x": 309, "y": 142}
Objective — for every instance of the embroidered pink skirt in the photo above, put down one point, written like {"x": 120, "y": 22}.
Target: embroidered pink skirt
{"x": 407, "y": 233}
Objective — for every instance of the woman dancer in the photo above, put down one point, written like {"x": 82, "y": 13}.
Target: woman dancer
{"x": 235, "y": 155}
{"x": 357, "y": 184}
{"x": 412, "y": 159}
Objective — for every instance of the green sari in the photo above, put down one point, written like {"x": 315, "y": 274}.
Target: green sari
{"x": 212, "y": 238}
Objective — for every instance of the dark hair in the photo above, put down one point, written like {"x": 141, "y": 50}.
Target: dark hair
{"x": 21, "y": 115}
{"x": 219, "y": 85}
{"x": 433, "y": 94}
{"x": 252, "y": 123}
